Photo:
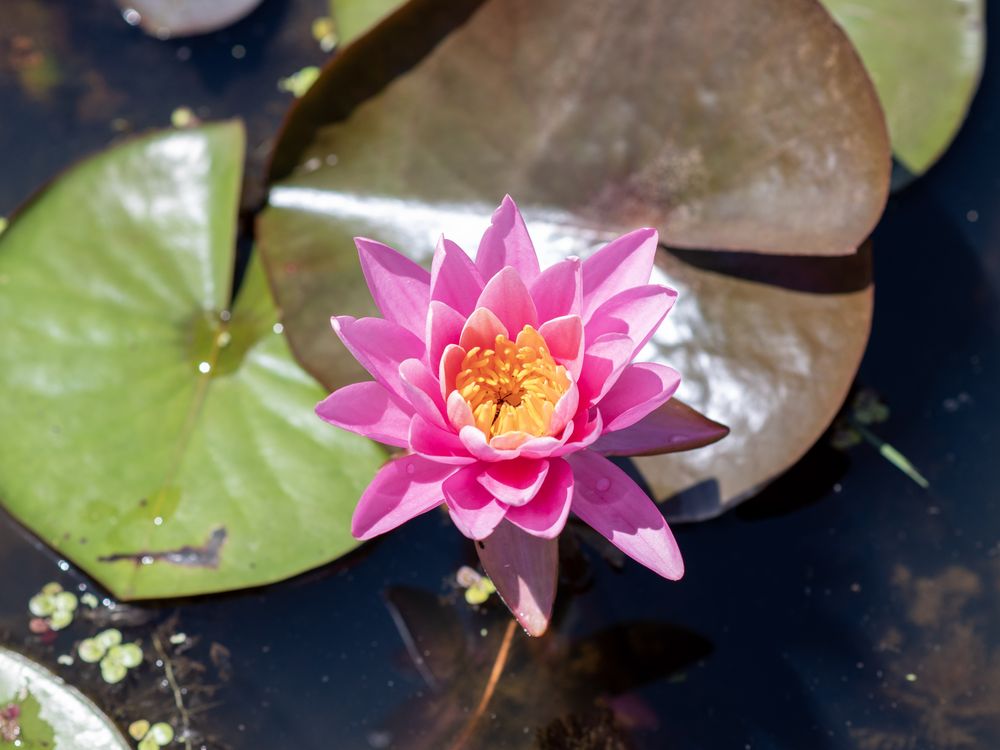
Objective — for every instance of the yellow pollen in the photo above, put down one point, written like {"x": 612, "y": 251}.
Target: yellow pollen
{"x": 513, "y": 387}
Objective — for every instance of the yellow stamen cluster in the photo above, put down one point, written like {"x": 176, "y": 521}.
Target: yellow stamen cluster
{"x": 513, "y": 387}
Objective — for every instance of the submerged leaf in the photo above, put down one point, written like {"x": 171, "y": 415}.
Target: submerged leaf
{"x": 189, "y": 456}
{"x": 170, "y": 18}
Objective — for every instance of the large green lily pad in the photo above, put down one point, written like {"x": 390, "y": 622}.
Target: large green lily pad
{"x": 743, "y": 125}
{"x": 53, "y": 715}
{"x": 925, "y": 58}
{"x": 157, "y": 436}
{"x": 355, "y": 17}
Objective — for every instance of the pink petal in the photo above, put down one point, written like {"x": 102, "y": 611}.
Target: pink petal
{"x": 455, "y": 280}
{"x": 566, "y": 408}
{"x": 545, "y": 516}
{"x": 440, "y": 445}
{"x": 524, "y": 569}
{"x": 459, "y": 411}
{"x": 367, "y": 409}
{"x": 481, "y": 329}
{"x": 514, "y": 482}
{"x": 402, "y": 489}
{"x": 476, "y": 444}
{"x": 607, "y": 499}
{"x": 423, "y": 391}
{"x": 506, "y": 243}
{"x": 583, "y": 436}
{"x": 636, "y": 312}
{"x": 380, "y": 346}
{"x": 400, "y": 287}
{"x": 444, "y": 327}
{"x": 558, "y": 290}
{"x": 673, "y": 427}
{"x": 507, "y": 297}
{"x": 621, "y": 264}
{"x": 642, "y": 387}
{"x": 564, "y": 337}
{"x": 451, "y": 365}
{"x": 603, "y": 363}
{"x": 474, "y": 510}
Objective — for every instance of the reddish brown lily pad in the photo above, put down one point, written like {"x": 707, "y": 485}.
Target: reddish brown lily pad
{"x": 745, "y": 126}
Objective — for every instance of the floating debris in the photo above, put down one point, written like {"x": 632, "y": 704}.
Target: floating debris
{"x": 297, "y": 84}
{"x": 851, "y": 429}
{"x": 184, "y": 117}
{"x": 53, "y": 606}
{"x": 324, "y": 31}
{"x": 10, "y": 722}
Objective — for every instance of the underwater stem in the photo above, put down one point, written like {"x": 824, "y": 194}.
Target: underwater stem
{"x": 491, "y": 686}
{"x": 176, "y": 689}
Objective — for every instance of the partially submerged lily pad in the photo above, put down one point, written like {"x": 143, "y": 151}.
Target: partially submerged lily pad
{"x": 769, "y": 138}
{"x": 53, "y": 714}
{"x": 159, "y": 437}
{"x": 925, "y": 58}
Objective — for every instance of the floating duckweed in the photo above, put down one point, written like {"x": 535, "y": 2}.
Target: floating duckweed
{"x": 298, "y": 83}
{"x": 138, "y": 729}
{"x": 478, "y": 588}
{"x": 65, "y": 659}
{"x": 53, "y": 604}
{"x": 152, "y": 737}
{"x": 116, "y": 658}
{"x": 89, "y": 600}
{"x": 183, "y": 117}
{"x": 178, "y": 638}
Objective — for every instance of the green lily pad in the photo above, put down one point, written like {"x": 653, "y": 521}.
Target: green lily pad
{"x": 159, "y": 439}
{"x": 747, "y": 126}
{"x": 53, "y": 714}
{"x": 925, "y": 58}
{"x": 355, "y": 17}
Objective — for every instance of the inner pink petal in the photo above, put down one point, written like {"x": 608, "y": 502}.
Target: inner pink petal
{"x": 514, "y": 482}
{"x": 507, "y": 297}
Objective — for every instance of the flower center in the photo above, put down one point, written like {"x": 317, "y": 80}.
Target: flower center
{"x": 513, "y": 387}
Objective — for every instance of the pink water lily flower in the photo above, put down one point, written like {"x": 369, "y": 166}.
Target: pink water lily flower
{"x": 505, "y": 383}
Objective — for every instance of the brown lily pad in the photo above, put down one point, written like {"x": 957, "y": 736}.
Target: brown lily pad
{"x": 728, "y": 126}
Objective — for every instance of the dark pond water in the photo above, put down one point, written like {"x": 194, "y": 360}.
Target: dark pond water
{"x": 844, "y": 607}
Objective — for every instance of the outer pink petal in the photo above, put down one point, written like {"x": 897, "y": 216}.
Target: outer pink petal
{"x": 440, "y": 445}
{"x": 474, "y": 510}
{"x": 524, "y": 569}
{"x": 606, "y": 498}
{"x": 380, "y": 346}
{"x": 558, "y": 290}
{"x": 402, "y": 489}
{"x": 506, "y": 243}
{"x": 481, "y": 329}
{"x": 514, "y": 482}
{"x": 564, "y": 337}
{"x": 455, "y": 280}
{"x": 642, "y": 387}
{"x": 673, "y": 427}
{"x": 545, "y": 516}
{"x": 367, "y": 409}
{"x": 423, "y": 391}
{"x": 621, "y": 264}
{"x": 507, "y": 297}
{"x": 400, "y": 287}
{"x": 636, "y": 312}
{"x": 444, "y": 327}
{"x": 603, "y": 363}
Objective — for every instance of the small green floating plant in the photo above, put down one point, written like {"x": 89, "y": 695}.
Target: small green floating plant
{"x": 54, "y": 606}
{"x": 151, "y": 737}
{"x": 115, "y": 657}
